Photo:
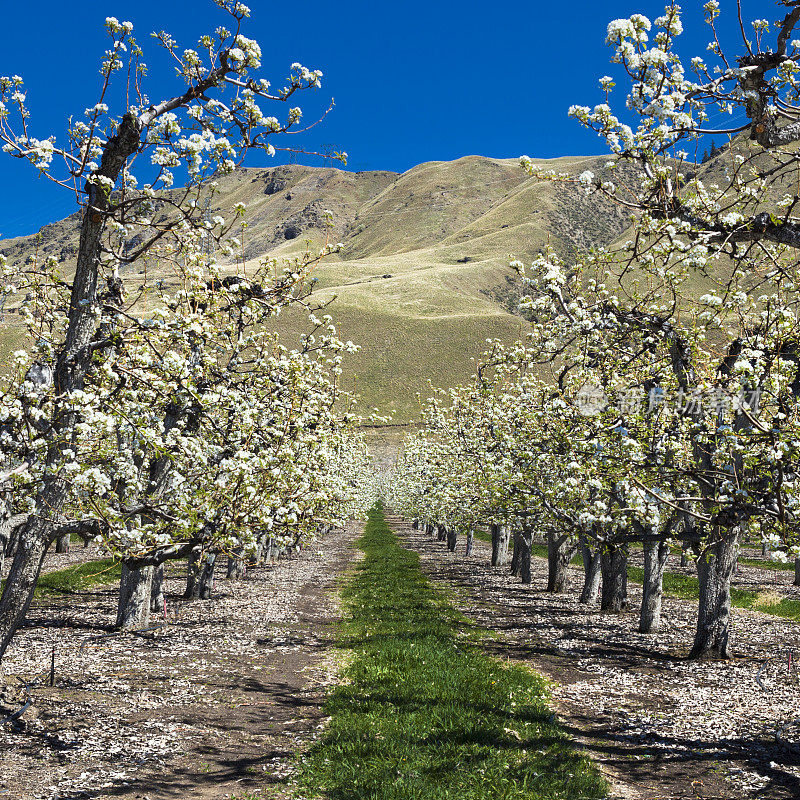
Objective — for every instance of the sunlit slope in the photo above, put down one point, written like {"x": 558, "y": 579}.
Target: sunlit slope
{"x": 422, "y": 281}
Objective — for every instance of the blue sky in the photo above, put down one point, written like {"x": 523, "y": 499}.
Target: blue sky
{"x": 413, "y": 81}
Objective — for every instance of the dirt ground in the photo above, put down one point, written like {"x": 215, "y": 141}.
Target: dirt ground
{"x": 212, "y": 705}
{"x": 659, "y": 726}
{"x": 216, "y": 703}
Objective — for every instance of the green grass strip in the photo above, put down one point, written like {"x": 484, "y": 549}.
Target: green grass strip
{"x": 686, "y": 587}
{"x": 77, "y": 578}
{"x": 422, "y": 713}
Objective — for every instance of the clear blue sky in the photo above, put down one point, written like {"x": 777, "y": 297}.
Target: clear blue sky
{"x": 413, "y": 81}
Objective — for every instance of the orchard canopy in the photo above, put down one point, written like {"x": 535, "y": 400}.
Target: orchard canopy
{"x": 655, "y": 399}
{"x": 165, "y": 418}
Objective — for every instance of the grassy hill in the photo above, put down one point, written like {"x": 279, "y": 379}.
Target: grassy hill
{"x": 423, "y": 279}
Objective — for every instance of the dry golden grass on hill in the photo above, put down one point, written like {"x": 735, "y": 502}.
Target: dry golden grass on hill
{"x": 422, "y": 281}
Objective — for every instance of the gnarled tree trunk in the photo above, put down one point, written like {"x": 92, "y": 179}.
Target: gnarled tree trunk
{"x": 714, "y": 570}
{"x": 441, "y": 533}
{"x": 158, "y": 599}
{"x": 655, "y": 559}
{"x": 135, "y": 586}
{"x": 62, "y": 543}
{"x": 192, "y": 591}
{"x": 614, "y": 568}
{"x": 72, "y": 361}
{"x": 32, "y": 545}
{"x": 560, "y": 549}
{"x": 797, "y": 571}
{"x": 470, "y": 539}
{"x": 500, "y": 536}
{"x": 206, "y": 581}
{"x": 452, "y": 538}
{"x": 591, "y": 571}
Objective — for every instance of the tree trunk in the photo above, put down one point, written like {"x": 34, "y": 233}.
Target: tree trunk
{"x": 525, "y": 542}
{"x": 452, "y": 538}
{"x": 206, "y": 581}
{"x": 258, "y": 556}
{"x": 236, "y": 566}
{"x": 655, "y": 559}
{"x": 470, "y": 537}
{"x": 614, "y": 568}
{"x": 72, "y": 360}
{"x": 591, "y": 573}
{"x": 158, "y": 599}
{"x": 559, "y": 553}
{"x": 516, "y": 554}
{"x": 415, "y": 525}
{"x": 441, "y": 532}
{"x": 714, "y": 570}
{"x": 797, "y": 571}
{"x": 192, "y": 576}
{"x": 5, "y": 548}
{"x": 685, "y": 554}
{"x": 32, "y": 545}
{"x": 62, "y": 544}
{"x": 500, "y": 538}
{"x": 135, "y": 586}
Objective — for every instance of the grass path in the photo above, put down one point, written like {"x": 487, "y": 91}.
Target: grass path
{"x": 422, "y": 713}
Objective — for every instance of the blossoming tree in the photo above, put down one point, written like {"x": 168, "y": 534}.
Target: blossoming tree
{"x": 162, "y": 421}
{"x": 689, "y": 329}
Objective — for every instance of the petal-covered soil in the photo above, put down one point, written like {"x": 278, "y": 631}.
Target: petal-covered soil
{"x": 213, "y": 704}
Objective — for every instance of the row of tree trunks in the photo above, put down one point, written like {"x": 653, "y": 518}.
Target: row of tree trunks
{"x": 141, "y": 590}
{"x": 606, "y": 574}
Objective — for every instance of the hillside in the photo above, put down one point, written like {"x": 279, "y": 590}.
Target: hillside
{"x": 423, "y": 279}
